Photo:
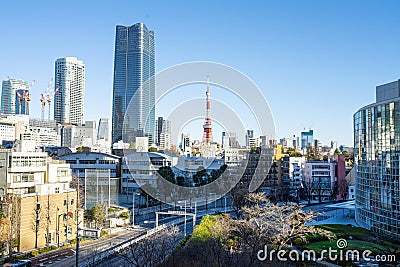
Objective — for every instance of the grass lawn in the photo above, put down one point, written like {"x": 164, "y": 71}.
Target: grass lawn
{"x": 344, "y": 231}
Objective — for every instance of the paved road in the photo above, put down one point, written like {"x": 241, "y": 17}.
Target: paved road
{"x": 55, "y": 256}
{"x": 66, "y": 257}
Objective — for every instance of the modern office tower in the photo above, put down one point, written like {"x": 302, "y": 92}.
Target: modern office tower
{"x": 69, "y": 97}
{"x": 104, "y": 130}
{"x": 307, "y": 139}
{"x": 376, "y": 158}
{"x": 163, "y": 133}
{"x": 14, "y": 97}
{"x": 134, "y": 68}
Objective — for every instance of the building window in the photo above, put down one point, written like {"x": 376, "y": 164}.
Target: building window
{"x": 57, "y": 190}
{"x": 65, "y": 202}
{"x": 72, "y": 201}
{"x": 38, "y": 206}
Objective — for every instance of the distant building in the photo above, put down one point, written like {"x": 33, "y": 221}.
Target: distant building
{"x": 296, "y": 169}
{"x": 163, "y": 133}
{"x": 74, "y": 136}
{"x": 42, "y": 136}
{"x": 186, "y": 145}
{"x": 21, "y": 123}
{"x": 104, "y": 130}
{"x": 307, "y": 139}
{"x": 12, "y": 91}
{"x": 142, "y": 144}
{"x": 290, "y": 142}
{"x": 69, "y": 98}
{"x": 7, "y": 131}
{"x": 250, "y": 140}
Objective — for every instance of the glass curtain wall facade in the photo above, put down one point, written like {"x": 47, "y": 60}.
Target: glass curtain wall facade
{"x": 377, "y": 161}
{"x": 134, "y": 69}
{"x": 10, "y": 99}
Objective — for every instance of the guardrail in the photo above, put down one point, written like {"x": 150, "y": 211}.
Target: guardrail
{"x": 111, "y": 251}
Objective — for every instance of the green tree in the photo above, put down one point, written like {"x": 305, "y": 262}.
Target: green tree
{"x": 152, "y": 149}
{"x": 180, "y": 180}
{"x": 201, "y": 177}
{"x": 98, "y": 215}
{"x": 167, "y": 173}
{"x": 124, "y": 215}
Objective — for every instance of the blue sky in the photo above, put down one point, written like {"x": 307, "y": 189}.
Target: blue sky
{"x": 316, "y": 62}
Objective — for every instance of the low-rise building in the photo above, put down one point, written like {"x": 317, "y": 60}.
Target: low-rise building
{"x": 42, "y": 136}
{"x": 320, "y": 179}
{"x": 74, "y": 136}
{"x": 141, "y": 168}
{"x": 36, "y": 193}
{"x": 81, "y": 161}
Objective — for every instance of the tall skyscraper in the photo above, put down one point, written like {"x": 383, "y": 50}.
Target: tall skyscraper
{"x": 69, "y": 98}
{"x": 104, "y": 130}
{"x": 14, "y": 97}
{"x": 134, "y": 68}
{"x": 376, "y": 162}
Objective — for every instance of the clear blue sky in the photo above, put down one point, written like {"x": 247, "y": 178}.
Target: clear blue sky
{"x": 317, "y": 62}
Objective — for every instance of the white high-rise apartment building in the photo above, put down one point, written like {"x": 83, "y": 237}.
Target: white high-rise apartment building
{"x": 69, "y": 98}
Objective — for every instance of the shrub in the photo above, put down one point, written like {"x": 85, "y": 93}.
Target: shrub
{"x": 34, "y": 253}
{"x": 124, "y": 215}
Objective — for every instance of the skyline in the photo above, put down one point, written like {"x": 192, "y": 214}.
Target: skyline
{"x": 328, "y": 56}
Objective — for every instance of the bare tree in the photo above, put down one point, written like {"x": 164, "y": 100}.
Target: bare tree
{"x": 4, "y": 231}
{"x": 38, "y": 214}
{"x": 279, "y": 224}
{"x": 11, "y": 209}
{"x": 152, "y": 250}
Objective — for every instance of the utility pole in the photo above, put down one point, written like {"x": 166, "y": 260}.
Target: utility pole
{"x": 77, "y": 224}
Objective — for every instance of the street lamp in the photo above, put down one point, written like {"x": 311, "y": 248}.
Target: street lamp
{"x": 133, "y": 207}
{"x": 225, "y": 203}
{"x": 184, "y": 228}
{"x": 215, "y": 199}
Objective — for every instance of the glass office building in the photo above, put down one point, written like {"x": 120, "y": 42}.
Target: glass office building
{"x": 134, "y": 68}
{"x": 14, "y": 97}
{"x": 307, "y": 139}
{"x": 377, "y": 162}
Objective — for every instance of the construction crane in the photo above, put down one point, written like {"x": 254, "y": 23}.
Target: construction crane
{"x": 28, "y": 93}
{"x": 43, "y": 102}
{"x": 43, "y": 99}
{"x": 50, "y": 95}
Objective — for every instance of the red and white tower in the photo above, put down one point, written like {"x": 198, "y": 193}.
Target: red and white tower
{"x": 207, "y": 128}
